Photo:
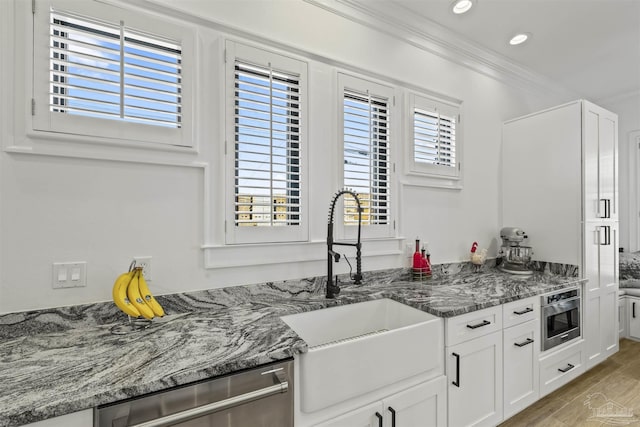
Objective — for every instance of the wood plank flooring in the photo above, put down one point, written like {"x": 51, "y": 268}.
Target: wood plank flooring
{"x": 614, "y": 383}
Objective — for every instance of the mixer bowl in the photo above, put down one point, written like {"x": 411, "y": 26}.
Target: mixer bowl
{"x": 520, "y": 255}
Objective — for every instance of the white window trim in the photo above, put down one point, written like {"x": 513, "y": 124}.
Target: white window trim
{"x": 46, "y": 124}
{"x": 420, "y": 174}
{"x": 365, "y": 85}
{"x": 257, "y": 235}
{"x": 292, "y": 254}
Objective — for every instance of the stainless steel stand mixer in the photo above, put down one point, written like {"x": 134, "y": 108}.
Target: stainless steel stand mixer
{"x": 515, "y": 257}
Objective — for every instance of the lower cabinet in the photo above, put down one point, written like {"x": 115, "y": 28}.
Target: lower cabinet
{"x": 76, "y": 419}
{"x": 421, "y": 405}
{"x": 474, "y": 375}
{"x": 521, "y": 377}
{"x": 560, "y": 367}
{"x": 633, "y": 317}
{"x": 622, "y": 318}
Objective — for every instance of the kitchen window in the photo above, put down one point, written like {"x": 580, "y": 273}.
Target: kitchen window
{"x": 366, "y": 145}
{"x": 105, "y": 72}
{"x": 435, "y": 138}
{"x": 266, "y": 137}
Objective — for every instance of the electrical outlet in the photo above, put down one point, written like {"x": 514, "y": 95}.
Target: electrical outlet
{"x": 145, "y": 263}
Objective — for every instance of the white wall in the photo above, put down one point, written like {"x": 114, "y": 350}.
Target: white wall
{"x": 59, "y": 209}
{"x": 628, "y": 109}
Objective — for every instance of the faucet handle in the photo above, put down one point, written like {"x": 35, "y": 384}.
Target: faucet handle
{"x": 333, "y": 289}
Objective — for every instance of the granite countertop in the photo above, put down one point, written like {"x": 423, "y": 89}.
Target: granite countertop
{"x": 64, "y": 360}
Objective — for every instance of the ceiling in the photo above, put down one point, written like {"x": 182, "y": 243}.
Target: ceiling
{"x": 590, "y": 47}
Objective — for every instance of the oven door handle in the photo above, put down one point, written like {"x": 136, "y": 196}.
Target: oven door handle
{"x": 561, "y": 306}
{"x": 282, "y": 386}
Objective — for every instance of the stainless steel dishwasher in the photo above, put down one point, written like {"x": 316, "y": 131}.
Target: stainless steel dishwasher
{"x": 260, "y": 397}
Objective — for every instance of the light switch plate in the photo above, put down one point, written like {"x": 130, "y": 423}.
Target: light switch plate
{"x": 69, "y": 274}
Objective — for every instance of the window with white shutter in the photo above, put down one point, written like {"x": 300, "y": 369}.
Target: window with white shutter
{"x": 109, "y": 74}
{"x": 113, "y": 72}
{"x": 435, "y": 137}
{"x": 366, "y": 152}
{"x": 266, "y": 127}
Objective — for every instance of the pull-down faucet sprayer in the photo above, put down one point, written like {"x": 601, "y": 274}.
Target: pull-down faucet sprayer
{"x": 332, "y": 288}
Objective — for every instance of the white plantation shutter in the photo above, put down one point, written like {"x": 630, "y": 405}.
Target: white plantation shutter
{"x": 434, "y": 138}
{"x": 106, "y": 70}
{"x": 436, "y": 142}
{"x": 267, "y": 146}
{"x": 366, "y": 156}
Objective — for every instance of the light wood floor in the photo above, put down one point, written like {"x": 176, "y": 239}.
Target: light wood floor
{"x": 617, "y": 378}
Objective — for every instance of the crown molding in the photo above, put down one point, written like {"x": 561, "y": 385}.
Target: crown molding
{"x": 397, "y": 21}
{"x": 620, "y": 97}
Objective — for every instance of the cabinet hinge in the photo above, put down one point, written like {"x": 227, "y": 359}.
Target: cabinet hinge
{"x": 225, "y": 225}
{"x": 225, "y": 147}
{"x": 394, "y": 100}
{"x": 459, "y": 118}
{"x": 394, "y": 167}
{"x": 394, "y": 224}
{"x": 225, "y": 56}
{"x": 33, "y": 107}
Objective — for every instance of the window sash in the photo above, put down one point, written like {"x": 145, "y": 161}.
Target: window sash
{"x": 267, "y": 132}
{"x": 366, "y": 156}
{"x": 434, "y": 138}
{"x": 108, "y": 71}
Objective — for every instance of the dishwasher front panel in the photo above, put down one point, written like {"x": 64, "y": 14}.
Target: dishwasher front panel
{"x": 260, "y": 397}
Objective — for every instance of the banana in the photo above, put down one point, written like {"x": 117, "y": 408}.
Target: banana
{"x": 133, "y": 292}
{"x": 120, "y": 294}
{"x": 148, "y": 297}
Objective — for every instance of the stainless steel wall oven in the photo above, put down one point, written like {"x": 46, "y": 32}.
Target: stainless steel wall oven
{"x": 560, "y": 317}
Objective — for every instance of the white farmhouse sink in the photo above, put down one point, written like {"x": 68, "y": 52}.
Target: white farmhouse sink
{"x": 358, "y": 348}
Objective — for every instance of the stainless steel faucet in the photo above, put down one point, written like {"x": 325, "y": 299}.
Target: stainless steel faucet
{"x": 332, "y": 288}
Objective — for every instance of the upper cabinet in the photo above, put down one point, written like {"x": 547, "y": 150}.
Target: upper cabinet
{"x": 559, "y": 170}
{"x": 600, "y": 136}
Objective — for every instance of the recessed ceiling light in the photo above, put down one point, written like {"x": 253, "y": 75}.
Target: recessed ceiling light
{"x": 519, "y": 39}
{"x": 462, "y": 6}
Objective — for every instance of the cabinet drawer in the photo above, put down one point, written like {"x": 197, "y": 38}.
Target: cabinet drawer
{"x": 559, "y": 368}
{"x": 473, "y": 325}
{"x": 520, "y": 311}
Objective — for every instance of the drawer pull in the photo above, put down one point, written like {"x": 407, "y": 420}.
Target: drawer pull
{"x": 525, "y": 311}
{"x": 479, "y": 325}
{"x": 567, "y": 369}
{"x": 522, "y": 344}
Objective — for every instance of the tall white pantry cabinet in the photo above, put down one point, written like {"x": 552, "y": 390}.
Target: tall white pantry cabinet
{"x": 560, "y": 185}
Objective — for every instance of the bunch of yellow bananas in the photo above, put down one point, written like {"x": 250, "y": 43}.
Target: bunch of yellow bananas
{"x": 131, "y": 294}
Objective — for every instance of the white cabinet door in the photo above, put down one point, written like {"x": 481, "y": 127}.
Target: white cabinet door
{"x": 474, "y": 376}
{"x": 600, "y": 139}
{"x": 633, "y": 315}
{"x": 366, "y": 416}
{"x": 622, "y": 318}
{"x": 521, "y": 377}
{"x": 422, "y": 405}
{"x": 600, "y": 300}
